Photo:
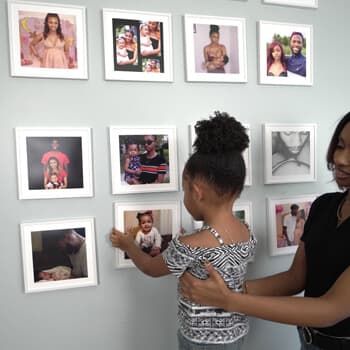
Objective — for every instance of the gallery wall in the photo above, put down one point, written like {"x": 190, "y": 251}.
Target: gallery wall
{"x": 126, "y": 309}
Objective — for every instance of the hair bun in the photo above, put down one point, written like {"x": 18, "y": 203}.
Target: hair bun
{"x": 214, "y": 28}
{"x": 220, "y": 134}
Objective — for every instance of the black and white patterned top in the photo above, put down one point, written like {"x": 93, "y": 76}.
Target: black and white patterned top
{"x": 206, "y": 324}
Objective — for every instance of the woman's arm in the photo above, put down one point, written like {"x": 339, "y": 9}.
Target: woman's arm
{"x": 324, "y": 311}
{"x": 37, "y": 38}
{"x": 134, "y": 57}
{"x": 205, "y": 55}
{"x": 152, "y": 52}
{"x": 151, "y": 266}
{"x": 64, "y": 182}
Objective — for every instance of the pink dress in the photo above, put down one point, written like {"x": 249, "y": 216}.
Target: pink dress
{"x": 54, "y": 56}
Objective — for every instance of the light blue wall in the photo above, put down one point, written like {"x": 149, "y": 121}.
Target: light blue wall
{"x": 128, "y": 310}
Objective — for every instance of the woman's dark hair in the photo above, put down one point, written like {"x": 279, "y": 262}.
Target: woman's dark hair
{"x": 335, "y": 140}
{"x": 59, "y": 28}
{"x": 213, "y": 29}
{"x": 270, "y": 59}
{"x": 139, "y": 215}
{"x": 53, "y": 158}
{"x": 218, "y": 159}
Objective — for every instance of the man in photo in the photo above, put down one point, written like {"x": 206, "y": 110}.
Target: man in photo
{"x": 289, "y": 223}
{"x": 73, "y": 244}
{"x": 153, "y": 165}
{"x": 296, "y": 62}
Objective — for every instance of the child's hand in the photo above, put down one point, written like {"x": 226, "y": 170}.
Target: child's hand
{"x": 154, "y": 251}
{"x": 121, "y": 240}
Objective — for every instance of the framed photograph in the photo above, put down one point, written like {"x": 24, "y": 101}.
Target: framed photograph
{"x": 286, "y": 53}
{"x": 138, "y": 45}
{"x": 216, "y": 49}
{"x": 47, "y": 40}
{"x": 289, "y": 153}
{"x": 241, "y": 209}
{"x": 58, "y": 254}
{"x": 143, "y": 159}
{"x": 301, "y": 3}
{"x": 286, "y": 219}
{"x": 246, "y": 154}
{"x": 54, "y": 162}
{"x": 153, "y": 224}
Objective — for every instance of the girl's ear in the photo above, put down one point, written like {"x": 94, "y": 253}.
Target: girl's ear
{"x": 197, "y": 189}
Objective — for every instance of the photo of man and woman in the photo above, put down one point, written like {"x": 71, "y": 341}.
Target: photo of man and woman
{"x": 144, "y": 159}
{"x": 285, "y": 53}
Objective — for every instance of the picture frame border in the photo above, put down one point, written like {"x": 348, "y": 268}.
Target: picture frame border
{"x": 191, "y": 75}
{"x": 26, "y": 228}
{"x": 297, "y": 81}
{"x": 268, "y": 128}
{"x": 13, "y": 8}
{"x": 247, "y": 153}
{"x": 108, "y": 15}
{"x": 22, "y": 133}
{"x": 117, "y": 186}
{"x": 271, "y": 203}
{"x": 294, "y": 3}
{"x": 120, "y": 208}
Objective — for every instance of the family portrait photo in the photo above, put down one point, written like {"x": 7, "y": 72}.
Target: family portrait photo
{"x": 152, "y": 224}
{"x": 137, "y": 45}
{"x": 59, "y": 254}
{"x": 54, "y": 163}
{"x": 143, "y": 160}
{"x": 215, "y": 48}
{"x": 290, "y": 152}
{"x": 287, "y": 217}
{"x": 286, "y": 53}
{"x": 47, "y": 40}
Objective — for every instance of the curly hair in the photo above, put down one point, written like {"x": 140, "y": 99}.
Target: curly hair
{"x": 218, "y": 159}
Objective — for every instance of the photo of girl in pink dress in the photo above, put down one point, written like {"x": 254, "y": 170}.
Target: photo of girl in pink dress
{"x": 48, "y": 40}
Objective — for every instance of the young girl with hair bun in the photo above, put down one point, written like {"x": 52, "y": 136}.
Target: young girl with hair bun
{"x": 213, "y": 178}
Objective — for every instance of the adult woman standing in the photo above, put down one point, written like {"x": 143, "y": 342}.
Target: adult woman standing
{"x": 56, "y": 48}
{"x": 321, "y": 267}
{"x": 215, "y": 56}
{"x": 276, "y": 61}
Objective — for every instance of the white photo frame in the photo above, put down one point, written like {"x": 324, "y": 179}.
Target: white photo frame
{"x": 298, "y": 3}
{"x": 35, "y": 150}
{"x": 298, "y": 70}
{"x": 153, "y": 49}
{"x": 166, "y": 219}
{"x": 289, "y": 153}
{"x": 41, "y": 253}
{"x": 166, "y": 149}
{"x": 31, "y": 54}
{"x": 246, "y": 154}
{"x": 285, "y": 241}
{"x": 232, "y": 33}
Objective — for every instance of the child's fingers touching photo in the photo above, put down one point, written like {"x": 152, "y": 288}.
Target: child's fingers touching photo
{"x": 121, "y": 240}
